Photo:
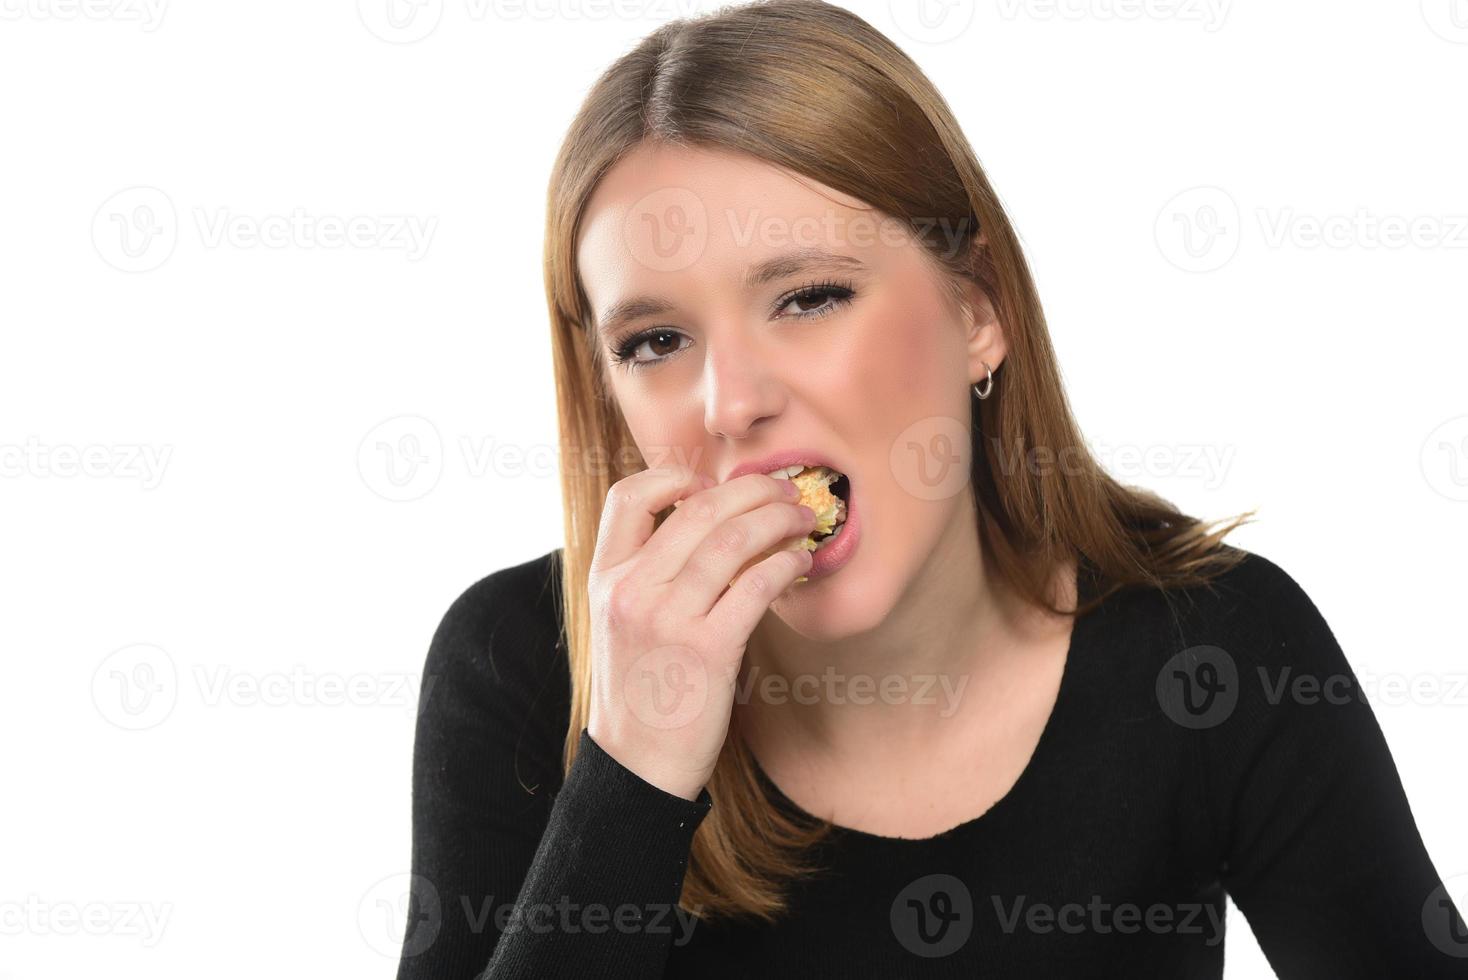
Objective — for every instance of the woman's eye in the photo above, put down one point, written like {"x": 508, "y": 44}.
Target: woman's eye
{"x": 815, "y": 301}
{"x": 661, "y": 343}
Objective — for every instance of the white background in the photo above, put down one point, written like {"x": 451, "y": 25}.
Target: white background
{"x": 260, "y": 815}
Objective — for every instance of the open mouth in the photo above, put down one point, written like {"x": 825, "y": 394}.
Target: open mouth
{"x": 824, "y": 491}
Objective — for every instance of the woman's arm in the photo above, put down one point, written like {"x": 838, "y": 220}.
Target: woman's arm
{"x": 511, "y": 879}
{"x": 1322, "y": 854}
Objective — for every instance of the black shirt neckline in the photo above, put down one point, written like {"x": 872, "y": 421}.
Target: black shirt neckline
{"x": 1040, "y": 759}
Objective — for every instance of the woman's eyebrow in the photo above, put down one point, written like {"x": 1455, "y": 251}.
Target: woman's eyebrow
{"x": 799, "y": 260}
{"x": 778, "y": 267}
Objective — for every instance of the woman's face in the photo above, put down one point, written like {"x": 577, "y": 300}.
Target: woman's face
{"x": 871, "y": 367}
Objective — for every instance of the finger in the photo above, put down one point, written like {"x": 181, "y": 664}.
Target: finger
{"x": 735, "y": 546}
{"x": 740, "y": 609}
{"x": 629, "y": 513}
{"x": 685, "y": 530}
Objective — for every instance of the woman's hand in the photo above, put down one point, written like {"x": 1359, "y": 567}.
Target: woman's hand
{"x": 668, "y": 630}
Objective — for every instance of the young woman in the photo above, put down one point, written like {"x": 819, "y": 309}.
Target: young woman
{"x": 1011, "y": 719}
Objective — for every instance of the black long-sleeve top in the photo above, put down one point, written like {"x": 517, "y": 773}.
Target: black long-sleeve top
{"x": 1204, "y": 741}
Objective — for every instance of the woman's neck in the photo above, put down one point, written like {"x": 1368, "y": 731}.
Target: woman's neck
{"x": 953, "y": 635}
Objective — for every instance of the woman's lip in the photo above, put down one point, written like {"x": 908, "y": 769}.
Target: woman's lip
{"x": 833, "y": 556}
{"x": 780, "y": 460}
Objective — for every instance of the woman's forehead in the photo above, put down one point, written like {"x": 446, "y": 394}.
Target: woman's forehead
{"x": 663, "y": 213}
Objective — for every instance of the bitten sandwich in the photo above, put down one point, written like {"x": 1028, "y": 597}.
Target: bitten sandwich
{"x": 815, "y": 483}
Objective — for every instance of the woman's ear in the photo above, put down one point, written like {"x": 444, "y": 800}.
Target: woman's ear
{"x": 984, "y": 333}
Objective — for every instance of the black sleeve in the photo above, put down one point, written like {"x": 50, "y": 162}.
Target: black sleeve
{"x": 514, "y": 873}
{"x": 1321, "y": 851}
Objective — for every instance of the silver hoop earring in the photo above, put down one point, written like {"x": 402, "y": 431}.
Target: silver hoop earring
{"x": 988, "y": 382}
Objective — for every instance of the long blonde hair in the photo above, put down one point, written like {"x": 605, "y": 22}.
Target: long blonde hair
{"x": 811, "y": 87}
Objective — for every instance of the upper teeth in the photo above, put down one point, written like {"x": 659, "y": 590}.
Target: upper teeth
{"x": 787, "y": 472}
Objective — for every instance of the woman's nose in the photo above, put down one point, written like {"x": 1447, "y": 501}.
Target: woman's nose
{"x": 739, "y": 393}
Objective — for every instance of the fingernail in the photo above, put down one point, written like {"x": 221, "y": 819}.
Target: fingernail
{"x": 791, "y": 490}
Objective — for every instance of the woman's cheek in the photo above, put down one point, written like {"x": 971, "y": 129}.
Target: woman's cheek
{"x": 915, "y": 403}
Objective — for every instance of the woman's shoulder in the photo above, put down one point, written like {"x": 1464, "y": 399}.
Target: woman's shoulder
{"x": 1261, "y": 607}
{"x": 498, "y": 654}
{"x": 520, "y": 601}
{"x": 1239, "y": 646}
